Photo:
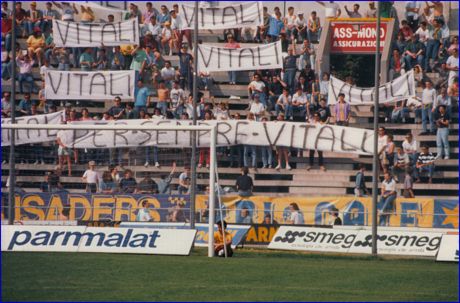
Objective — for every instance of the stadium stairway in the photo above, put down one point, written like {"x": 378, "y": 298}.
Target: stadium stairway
{"x": 337, "y": 180}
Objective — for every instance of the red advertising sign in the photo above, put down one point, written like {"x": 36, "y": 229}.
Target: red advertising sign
{"x": 356, "y": 37}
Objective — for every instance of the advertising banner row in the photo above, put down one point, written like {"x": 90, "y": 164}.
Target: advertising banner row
{"x": 348, "y": 240}
{"x": 417, "y": 212}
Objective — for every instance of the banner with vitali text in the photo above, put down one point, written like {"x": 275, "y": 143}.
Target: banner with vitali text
{"x": 229, "y": 132}
{"x": 244, "y": 14}
{"x": 77, "y": 34}
{"x": 25, "y": 136}
{"x": 97, "y": 239}
{"x": 401, "y": 88}
{"x": 214, "y": 58}
{"x": 415, "y": 212}
{"x": 91, "y": 85}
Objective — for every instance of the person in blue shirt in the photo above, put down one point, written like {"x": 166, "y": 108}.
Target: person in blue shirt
{"x": 275, "y": 25}
{"x": 25, "y": 105}
{"x": 164, "y": 16}
{"x": 142, "y": 97}
{"x": 185, "y": 68}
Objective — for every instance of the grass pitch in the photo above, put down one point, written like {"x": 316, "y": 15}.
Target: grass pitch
{"x": 251, "y": 275}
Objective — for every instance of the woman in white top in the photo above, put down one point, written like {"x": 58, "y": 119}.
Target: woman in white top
{"x": 296, "y": 216}
{"x": 289, "y": 21}
{"x": 90, "y": 177}
{"x": 387, "y": 198}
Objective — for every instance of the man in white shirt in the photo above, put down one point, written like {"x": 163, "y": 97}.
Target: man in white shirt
{"x": 257, "y": 86}
{"x": 91, "y": 178}
{"x": 410, "y": 148}
{"x": 143, "y": 214}
{"x": 257, "y": 108}
{"x": 452, "y": 66}
{"x": 299, "y": 103}
{"x": 428, "y": 99}
{"x": 332, "y": 9}
{"x": 154, "y": 28}
{"x": 387, "y": 198}
{"x": 168, "y": 74}
{"x": 177, "y": 96}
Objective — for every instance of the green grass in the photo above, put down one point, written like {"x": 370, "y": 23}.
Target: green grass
{"x": 252, "y": 275}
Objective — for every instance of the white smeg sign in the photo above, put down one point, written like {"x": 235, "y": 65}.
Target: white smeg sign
{"x": 449, "y": 249}
{"x": 356, "y": 241}
{"x": 97, "y": 239}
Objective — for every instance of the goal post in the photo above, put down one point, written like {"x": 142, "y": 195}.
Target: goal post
{"x": 13, "y": 129}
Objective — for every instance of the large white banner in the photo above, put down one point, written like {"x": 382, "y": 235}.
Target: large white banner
{"x": 23, "y": 136}
{"x": 342, "y": 239}
{"x": 449, "y": 249}
{"x": 93, "y": 85}
{"x": 264, "y": 56}
{"x": 76, "y": 34}
{"x": 97, "y": 239}
{"x": 245, "y": 14}
{"x": 401, "y": 88}
{"x": 232, "y": 132}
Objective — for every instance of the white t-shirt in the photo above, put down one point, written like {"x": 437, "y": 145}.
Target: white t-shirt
{"x": 331, "y": 10}
{"x": 168, "y": 73}
{"x": 143, "y": 215}
{"x": 389, "y": 186}
{"x": 302, "y": 99}
{"x": 258, "y": 85}
{"x": 257, "y": 108}
{"x": 167, "y": 33}
{"x": 423, "y": 34}
{"x": 91, "y": 176}
{"x": 290, "y": 20}
{"x": 410, "y": 147}
{"x": 428, "y": 96}
{"x": 176, "y": 23}
{"x": 296, "y": 217}
{"x": 154, "y": 29}
{"x": 452, "y": 61}
{"x": 177, "y": 95}
{"x": 284, "y": 100}
{"x": 381, "y": 142}
{"x": 300, "y": 23}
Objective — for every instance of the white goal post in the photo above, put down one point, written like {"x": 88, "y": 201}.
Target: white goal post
{"x": 212, "y": 130}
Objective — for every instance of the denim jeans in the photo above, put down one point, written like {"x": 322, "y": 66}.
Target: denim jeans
{"x": 163, "y": 106}
{"x": 289, "y": 79}
{"x": 232, "y": 76}
{"x": 26, "y": 78}
{"x": 267, "y": 155}
{"x": 148, "y": 154}
{"x": 385, "y": 205}
{"x": 427, "y": 114}
{"x": 432, "y": 49}
{"x": 6, "y": 70}
{"x": 411, "y": 62}
{"x": 442, "y": 141}
{"x": 399, "y": 115}
{"x": 314, "y": 36}
{"x": 424, "y": 169}
{"x": 253, "y": 150}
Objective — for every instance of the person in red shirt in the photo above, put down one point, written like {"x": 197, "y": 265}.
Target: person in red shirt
{"x": 7, "y": 26}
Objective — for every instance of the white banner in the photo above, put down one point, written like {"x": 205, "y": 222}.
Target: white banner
{"x": 76, "y": 34}
{"x": 401, "y": 88}
{"x": 449, "y": 249}
{"x": 231, "y": 132}
{"x": 313, "y": 239}
{"x": 245, "y": 14}
{"x": 389, "y": 242}
{"x": 23, "y": 136}
{"x": 265, "y": 56}
{"x": 97, "y": 239}
{"x": 93, "y": 85}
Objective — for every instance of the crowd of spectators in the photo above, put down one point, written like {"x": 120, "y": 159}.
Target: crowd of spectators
{"x": 297, "y": 92}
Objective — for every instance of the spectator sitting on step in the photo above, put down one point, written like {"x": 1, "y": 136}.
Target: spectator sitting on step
{"x": 414, "y": 52}
{"x": 107, "y": 184}
{"x": 128, "y": 183}
{"x": 244, "y": 183}
{"x": 6, "y": 105}
{"x": 425, "y": 163}
{"x": 117, "y": 111}
{"x": 400, "y": 112}
{"x": 410, "y": 148}
{"x": 387, "y": 197}
{"x": 147, "y": 185}
{"x": 401, "y": 163}
{"x": 91, "y": 178}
